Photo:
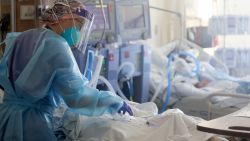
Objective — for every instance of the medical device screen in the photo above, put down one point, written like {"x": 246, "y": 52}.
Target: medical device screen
{"x": 98, "y": 23}
{"x": 133, "y": 16}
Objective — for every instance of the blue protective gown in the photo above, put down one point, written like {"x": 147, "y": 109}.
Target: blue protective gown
{"x": 38, "y": 68}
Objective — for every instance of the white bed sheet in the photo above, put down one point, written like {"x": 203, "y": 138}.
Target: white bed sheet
{"x": 147, "y": 125}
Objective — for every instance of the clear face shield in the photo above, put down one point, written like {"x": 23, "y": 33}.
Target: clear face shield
{"x": 74, "y": 20}
{"x": 75, "y": 26}
{"x": 78, "y": 34}
{"x": 83, "y": 20}
{"x": 85, "y": 28}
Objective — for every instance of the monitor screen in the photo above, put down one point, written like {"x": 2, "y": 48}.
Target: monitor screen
{"x": 133, "y": 16}
{"x": 98, "y": 23}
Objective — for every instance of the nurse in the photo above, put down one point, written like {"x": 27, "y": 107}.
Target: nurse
{"x": 38, "y": 69}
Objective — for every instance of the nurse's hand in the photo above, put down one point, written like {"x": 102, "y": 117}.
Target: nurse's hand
{"x": 125, "y": 109}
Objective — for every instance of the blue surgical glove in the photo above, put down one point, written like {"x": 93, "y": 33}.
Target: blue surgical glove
{"x": 125, "y": 108}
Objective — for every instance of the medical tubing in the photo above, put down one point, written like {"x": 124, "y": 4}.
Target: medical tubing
{"x": 106, "y": 82}
{"x": 165, "y": 104}
{"x": 97, "y": 71}
{"x": 131, "y": 89}
{"x": 121, "y": 93}
{"x": 104, "y": 20}
{"x": 89, "y": 65}
{"x": 157, "y": 92}
{"x": 169, "y": 74}
{"x": 129, "y": 64}
{"x": 94, "y": 80}
{"x": 129, "y": 75}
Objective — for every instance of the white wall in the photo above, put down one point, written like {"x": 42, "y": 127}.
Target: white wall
{"x": 198, "y": 12}
{"x": 233, "y": 7}
{"x": 165, "y": 27}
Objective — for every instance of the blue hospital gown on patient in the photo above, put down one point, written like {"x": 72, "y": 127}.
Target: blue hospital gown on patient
{"x": 38, "y": 68}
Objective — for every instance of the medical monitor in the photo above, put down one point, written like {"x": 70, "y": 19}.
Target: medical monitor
{"x": 98, "y": 23}
{"x": 133, "y": 19}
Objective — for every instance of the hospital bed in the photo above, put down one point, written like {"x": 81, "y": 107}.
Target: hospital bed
{"x": 212, "y": 101}
{"x": 205, "y": 107}
{"x": 205, "y": 101}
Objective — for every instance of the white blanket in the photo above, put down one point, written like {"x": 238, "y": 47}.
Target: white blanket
{"x": 146, "y": 125}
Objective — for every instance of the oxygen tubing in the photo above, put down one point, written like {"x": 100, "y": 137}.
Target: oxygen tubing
{"x": 196, "y": 71}
{"x": 129, "y": 75}
{"x": 107, "y": 83}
